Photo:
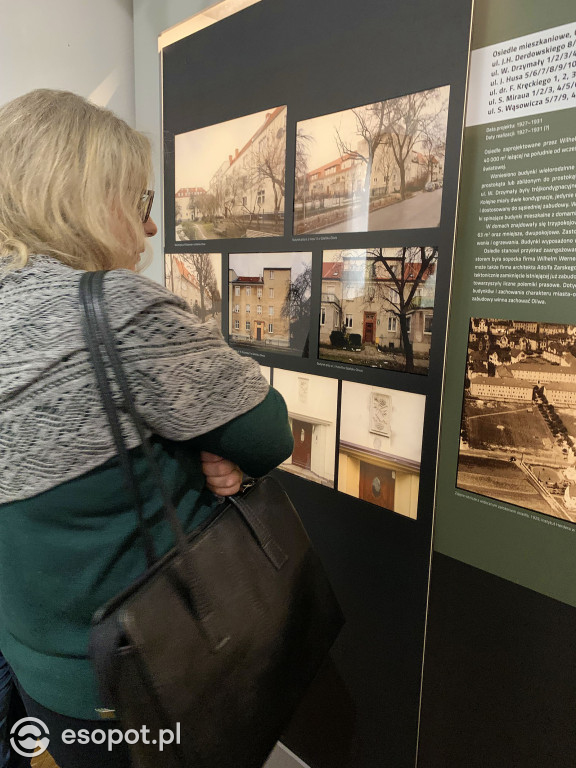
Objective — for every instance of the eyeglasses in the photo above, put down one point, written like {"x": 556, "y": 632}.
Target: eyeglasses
{"x": 146, "y": 204}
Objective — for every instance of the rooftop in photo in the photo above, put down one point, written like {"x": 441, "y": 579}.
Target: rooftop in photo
{"x": 510, "y": 383}
{"x": 189, "y": 191}
{"x": 270, "y": 116}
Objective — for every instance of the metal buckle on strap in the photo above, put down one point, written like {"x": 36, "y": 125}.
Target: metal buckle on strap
{"x": 106, "y": 714}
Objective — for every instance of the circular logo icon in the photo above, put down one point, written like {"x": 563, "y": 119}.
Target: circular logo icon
{"x": 29, "y": 737}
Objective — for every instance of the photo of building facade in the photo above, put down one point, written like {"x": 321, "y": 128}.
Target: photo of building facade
{"x": 378, "y": 166}
{"x": 312, "y": 403}
{"x": 377, "y": 307}
{"x": 518, "y": 430}
{"x": 269, "y": 300}
{"x": 230, "y": 178}
{"x": 197, "y": 278}
{"x": 380, "y": 445}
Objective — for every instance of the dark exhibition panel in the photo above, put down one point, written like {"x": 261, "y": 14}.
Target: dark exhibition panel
{"x": 367, "y": 501}
{"x": 317, "y": 156}
{"x": 499, "y": 673}
{"x": 499, "y": 682}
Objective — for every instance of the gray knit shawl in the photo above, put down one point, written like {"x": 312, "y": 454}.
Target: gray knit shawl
{"x": 185, "y": 379}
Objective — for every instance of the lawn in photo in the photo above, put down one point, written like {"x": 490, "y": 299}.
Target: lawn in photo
{"x": 270, "y": 296}
{"x": 375, "y": 167}
{"x": 197, "y": 278}
{"x": 518, "y": 427}
{"x": 312, "y": 403}
{"x": 377, "y": 307}
{"x": 380, "y": 446}
{"x": 230, "y": 178}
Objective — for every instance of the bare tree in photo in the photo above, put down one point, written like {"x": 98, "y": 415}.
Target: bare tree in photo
{"x": 217, "y": 189}
{"x": 191, "y": 207}
{"x": 303, "y": 148}
{"x": 208, "y": 206}
{"x": 215, "y": 298}
{"x": 200, "y": 264}
{"x": 269, "y": 162}
{"x": 404, "y": 273}
{"x": 370, "y": 122}
{"x": 235, "y": 201}
{"x": 296, "y": 308}
{"x": 433, "y": 142}
{"x": 385, "y": 166}
{"x": 171, "y": 263}
{"x": 405, "y": 120}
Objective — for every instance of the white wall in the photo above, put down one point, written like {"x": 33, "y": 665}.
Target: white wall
{"x": 106, "y": 51}
{"x": 75, "y": 45}
{"x": 151, "y": 18}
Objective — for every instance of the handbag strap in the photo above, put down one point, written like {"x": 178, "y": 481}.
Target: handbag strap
{"x": 98, "y": 335}
{"x": 92, "y": 338}
{"x": 92, "y": 298}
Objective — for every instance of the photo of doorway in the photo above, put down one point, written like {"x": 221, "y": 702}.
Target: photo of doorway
{"x": 312, "y": 403}
{"x": 369, "y": 326}
{"x": 380, "y": 445}
{"x": 377, "y": 484}
{"x": 302, "y": 432}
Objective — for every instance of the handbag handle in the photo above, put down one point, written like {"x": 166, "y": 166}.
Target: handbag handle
{"x": 98, "y": 335}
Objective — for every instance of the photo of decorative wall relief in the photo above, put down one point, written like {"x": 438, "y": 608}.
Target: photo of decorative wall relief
{"x": 312, "y": 408}
{"x": 230, "y": 178}
{"x": 377, "y": 307}
{"x": 380, "y": 445}
{"x": 196, "y": 278}
{"x": 378, "y": 166}
{"x": 518, "y": 429}
{"x": 269, "y": 295}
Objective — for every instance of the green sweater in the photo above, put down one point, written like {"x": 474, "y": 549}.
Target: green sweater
{"x": 65, "y": 552}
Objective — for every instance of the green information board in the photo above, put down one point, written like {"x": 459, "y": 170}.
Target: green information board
{"x": 506, "y": 493}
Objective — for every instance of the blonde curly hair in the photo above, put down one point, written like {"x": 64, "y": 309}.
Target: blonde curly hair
{"x": 71, "y": 182}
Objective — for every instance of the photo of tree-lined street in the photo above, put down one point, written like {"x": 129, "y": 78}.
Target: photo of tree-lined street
{"x": 197, "y": 278}
{"x": 374, "y": 167}
{"x": 270, "y": 295}
{"x": 377, "y": 307}
{"x": 230, "y": 178}
{"x": 518, "y": 429}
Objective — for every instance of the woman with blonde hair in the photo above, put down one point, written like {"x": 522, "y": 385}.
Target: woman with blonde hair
{"x": 75, "y": 197}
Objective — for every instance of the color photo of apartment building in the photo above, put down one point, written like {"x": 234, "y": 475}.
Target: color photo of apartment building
{"x": 196, "y": 278}
{"x": 377, "y": 166}
{"x": 230, "y": 178}
{"x": 364, "y": 320}
{"x": 269, "y": 301}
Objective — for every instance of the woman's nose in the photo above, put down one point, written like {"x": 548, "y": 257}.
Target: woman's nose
{"x": 150, "y": 228}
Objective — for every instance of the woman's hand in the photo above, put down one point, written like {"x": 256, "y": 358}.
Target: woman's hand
{"x": 222, "y": 476}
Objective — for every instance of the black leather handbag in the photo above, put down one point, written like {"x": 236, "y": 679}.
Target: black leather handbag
{"x": 219, "y": 638}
